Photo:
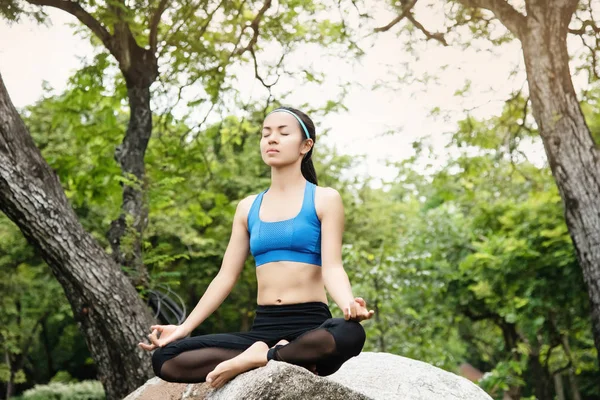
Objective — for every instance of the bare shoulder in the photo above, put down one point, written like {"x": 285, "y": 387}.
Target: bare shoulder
{"x": 246, "y": 202}
{"x": 243, "y": 208}
{"x": 327, "y": 199}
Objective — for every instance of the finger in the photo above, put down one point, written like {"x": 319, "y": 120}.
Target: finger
{"x": 361, "y": 301}
{"x": 346, "y": 313}
{"x": 146, "y": 347}
{"x": 361, "y": 315}
{"x": 153, "y": 338}
{"x": 157, "y": 327}
{"x": 353, "y": 310}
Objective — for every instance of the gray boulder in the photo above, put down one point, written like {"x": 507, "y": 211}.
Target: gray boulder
{"x": 387, "y": 376}
{"x": 376, "y": 376}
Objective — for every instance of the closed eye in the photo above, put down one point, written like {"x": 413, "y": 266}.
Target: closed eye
{"x": 282, "y": 134}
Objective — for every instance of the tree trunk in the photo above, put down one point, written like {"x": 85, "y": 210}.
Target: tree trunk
{"x": 130, "y": 156}
{"x": 11, "y": 378}
{"x": 572, "y": 153}
{"x": 558, "y": 387}
{"x": 140, "y": 69}
{"x": 543, "y": 381}
{"x": 574, "y": 386}
{"x": 47, "y": 349}
{"x": 108, "y": 311}
{"x": 511, "y": 340}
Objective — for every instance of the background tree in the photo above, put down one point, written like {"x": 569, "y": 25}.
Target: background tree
{"x": 103, "y": 301}
{"x": 477, "y": 267}
{"x": 424, "y": 249}
{"x": 136, "y": 37}
{"x": 542, "y": 28}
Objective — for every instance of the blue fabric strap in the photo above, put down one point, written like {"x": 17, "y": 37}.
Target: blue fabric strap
{"x": 295, "y": 116}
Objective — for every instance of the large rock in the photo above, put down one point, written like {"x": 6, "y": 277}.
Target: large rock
{"x": 387, "y": 376}
{"x": 378, "y": 376}
{"x": 277, "y": 380}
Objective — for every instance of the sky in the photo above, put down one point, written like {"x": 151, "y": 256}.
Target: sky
{"x": 31, "y": 53}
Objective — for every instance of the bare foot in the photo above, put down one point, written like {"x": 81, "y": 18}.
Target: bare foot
{"x": 255, "y": 356}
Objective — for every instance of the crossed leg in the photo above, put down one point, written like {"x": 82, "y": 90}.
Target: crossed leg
{"x": 255, "y": 356}
{"x": 190, "y": 360}
{"x": 194, "y": 365}
{"x": 323, "y": 349}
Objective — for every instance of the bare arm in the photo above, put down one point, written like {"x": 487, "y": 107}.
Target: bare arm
{"x": 334, "y": 276}
{"x": 233, "y": 262}
{"x": 332, "y": 227}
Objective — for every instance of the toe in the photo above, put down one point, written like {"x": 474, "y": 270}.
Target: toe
{"x": 210, "y": 378}
{"x": 214, "y": 382}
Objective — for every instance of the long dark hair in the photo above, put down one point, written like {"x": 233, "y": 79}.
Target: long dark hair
{"x": 307, "y": 167}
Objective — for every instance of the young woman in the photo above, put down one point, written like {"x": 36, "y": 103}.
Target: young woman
{"x": 294, "y": 231}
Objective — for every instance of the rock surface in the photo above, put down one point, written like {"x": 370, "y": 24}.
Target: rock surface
{"x": 378, "y": 376}
{"x": 387, "y": 376}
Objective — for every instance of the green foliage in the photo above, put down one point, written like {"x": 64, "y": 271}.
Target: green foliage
{"x": 590, "y": 109}
{"x": 86, "y": 390}
{"x": 493, "y": 259}
{"x": 63, "y": 377}
{"x": 503, "y": 132}
{"x": 472, "y": 263}
{"x": 450, "y": 261}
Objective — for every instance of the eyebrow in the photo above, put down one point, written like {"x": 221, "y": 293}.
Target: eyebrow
{"x": 269, "y": 128}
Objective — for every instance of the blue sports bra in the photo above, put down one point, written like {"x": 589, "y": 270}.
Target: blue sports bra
{"x": 296, "y": 239}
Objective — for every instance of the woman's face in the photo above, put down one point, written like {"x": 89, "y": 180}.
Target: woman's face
{"x": 283, "y": 141}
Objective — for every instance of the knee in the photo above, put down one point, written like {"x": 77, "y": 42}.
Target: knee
{"x": 358, "y": 337}
{"x": 350, "y": 337}
{"x": 158, "y": 359}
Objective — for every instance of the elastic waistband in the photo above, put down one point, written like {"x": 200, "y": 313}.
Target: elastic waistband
{"x": 274, "y": 308}
{"x": 291, "y": 316}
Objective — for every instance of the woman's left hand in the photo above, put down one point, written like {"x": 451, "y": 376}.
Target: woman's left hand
{"x": 357, "y": 310}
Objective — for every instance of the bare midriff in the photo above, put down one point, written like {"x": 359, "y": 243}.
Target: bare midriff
{"x": 289, "y": 282}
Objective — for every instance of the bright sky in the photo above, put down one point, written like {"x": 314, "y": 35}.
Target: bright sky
{"x": 30, "y": 54}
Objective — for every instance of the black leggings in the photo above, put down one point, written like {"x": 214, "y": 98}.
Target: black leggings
{"x": 317, "y": 341}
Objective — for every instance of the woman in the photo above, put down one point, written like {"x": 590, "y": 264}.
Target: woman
{"x": 298, "y": 254}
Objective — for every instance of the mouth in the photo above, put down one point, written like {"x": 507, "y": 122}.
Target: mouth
{"x": 272, "y": 151}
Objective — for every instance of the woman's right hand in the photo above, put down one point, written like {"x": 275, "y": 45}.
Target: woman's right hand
{"x": 168, "y": 334}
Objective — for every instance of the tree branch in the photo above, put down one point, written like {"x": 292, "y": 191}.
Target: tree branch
{"x": 254, "y": 25}
{"x": 257, "y": 75}
{"x": 435, "y": 36}
{"x": 405, "y": 10}
{"x": 594, "y": 66}
{"x": 154, "y": 24}
{"x": 406, "y": 13}
{"x": 513, "y": 20}
{"x": 83, "y": 16}
{"x": 584, "y": 25}
{"x": 184, "y": 20}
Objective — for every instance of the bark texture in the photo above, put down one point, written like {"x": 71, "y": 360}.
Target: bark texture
{"x": 139, "y": 67}
{"x": 130, "y": 156}
{"x": 108, "y": 311}
{"x": 572, "y": 154}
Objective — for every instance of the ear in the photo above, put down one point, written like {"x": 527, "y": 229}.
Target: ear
{"x": 307, "y": 145}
